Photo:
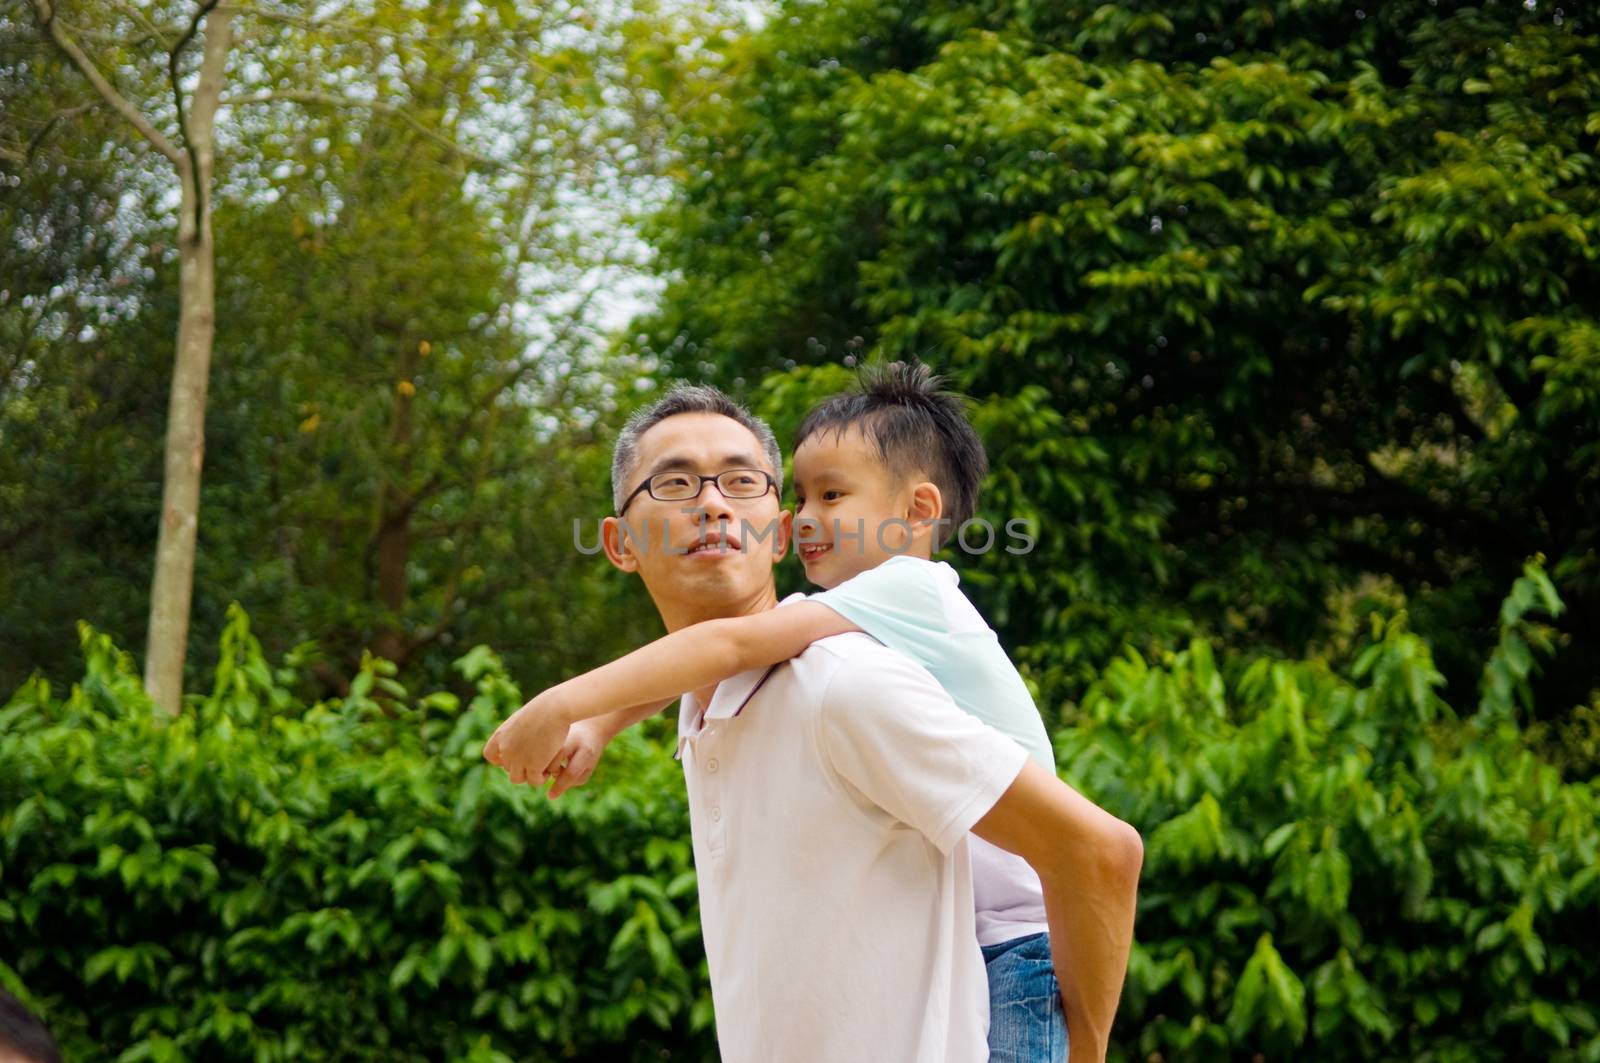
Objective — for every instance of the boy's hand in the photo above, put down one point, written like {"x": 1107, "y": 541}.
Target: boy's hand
{"x": 529, "y": 740}
{"x": 586, "y": 740}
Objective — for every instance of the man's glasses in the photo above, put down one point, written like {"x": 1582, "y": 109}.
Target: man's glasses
{"x": 683, "y": 486}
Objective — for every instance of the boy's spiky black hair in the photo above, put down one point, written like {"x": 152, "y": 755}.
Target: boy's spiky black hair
{"x": 917, "y": 426}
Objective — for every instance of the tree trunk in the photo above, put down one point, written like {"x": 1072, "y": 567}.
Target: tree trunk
{"x": 395, "y": 507}
{"x": 394, "y": 550}
{"x": 173, "y": 584}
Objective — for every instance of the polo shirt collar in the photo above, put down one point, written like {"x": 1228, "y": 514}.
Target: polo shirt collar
{"x": 728, "y": 701}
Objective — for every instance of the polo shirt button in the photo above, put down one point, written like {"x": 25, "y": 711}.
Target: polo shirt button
{"x": 716, "y": 815}
{"x": 711, "y": 766}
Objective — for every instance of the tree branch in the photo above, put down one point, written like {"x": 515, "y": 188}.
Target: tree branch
{"x": 200, "y": 136}
{"x": 483, "y": 593}
{"x": 508, "y": 379}
{"x": 59, "y": 116}
{"x": 173, "y": 58}
{"x": 86, "y": 67}
{"x": 355, "y": 29}
{"x": 151, "y": 29}
{"x": 324, "y": 99}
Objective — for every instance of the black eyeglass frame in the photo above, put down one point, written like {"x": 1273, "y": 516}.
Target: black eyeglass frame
{"x": 699, "y": 486}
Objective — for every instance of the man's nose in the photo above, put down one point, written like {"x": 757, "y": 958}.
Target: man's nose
{"x": 714, "y": 502}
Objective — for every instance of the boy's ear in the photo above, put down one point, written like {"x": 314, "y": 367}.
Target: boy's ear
{"x": 926, "y": 502}
{"x": 618, "y": 538}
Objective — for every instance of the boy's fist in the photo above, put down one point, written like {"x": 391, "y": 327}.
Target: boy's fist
{"x": 529, "y": 742}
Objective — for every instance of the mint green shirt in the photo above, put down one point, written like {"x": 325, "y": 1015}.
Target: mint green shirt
{"x": 915, "y": 607}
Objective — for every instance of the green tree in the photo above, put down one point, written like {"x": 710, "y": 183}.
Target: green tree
{"x": 422, "y": 399}
{"x": 86, "y": 321}
{"x": 470, "y": 84}
{"x": 189, "y": 146}
{"x": 422, "y": 211}
{"x": 1269, "y": 306}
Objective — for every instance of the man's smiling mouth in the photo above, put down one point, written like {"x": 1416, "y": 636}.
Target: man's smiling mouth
{"x": 715, "y": 542}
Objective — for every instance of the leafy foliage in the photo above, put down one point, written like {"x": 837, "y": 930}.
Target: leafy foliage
{"x": 86, "y": 322}
{"x": 264, "y": 879}
{"x": 1262, "y": 299}
{"x": 1282, "y": 323}
{"x": 410, "y": 388}
{"x": 1338, "y": 867}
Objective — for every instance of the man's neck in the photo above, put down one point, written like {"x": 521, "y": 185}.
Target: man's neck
{"x": 678, "y": 616}
{"x": 681, "y": 615}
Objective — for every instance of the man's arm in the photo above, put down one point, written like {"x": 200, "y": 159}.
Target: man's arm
{"x": 891, "y": 731}
{"x": 614, "y": 723}
{"x": 1088, "y": 862}
{"x": 698, "y": 656}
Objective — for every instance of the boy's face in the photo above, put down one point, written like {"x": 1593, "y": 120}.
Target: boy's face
{"x": 851, "y": 512}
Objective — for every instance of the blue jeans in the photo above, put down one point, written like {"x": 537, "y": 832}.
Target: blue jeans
{"x": 1026, "y": 1021}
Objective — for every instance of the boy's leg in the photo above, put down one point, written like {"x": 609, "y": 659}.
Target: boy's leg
{"x": 1026, "y": 1020}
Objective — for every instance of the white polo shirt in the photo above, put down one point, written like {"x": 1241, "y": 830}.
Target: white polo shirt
{"x": 829, "y": 801}
{"x": 916, "y": 606}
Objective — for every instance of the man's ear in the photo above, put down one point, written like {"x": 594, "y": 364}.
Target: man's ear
{"x": 780, "y": 546}
{"x": 620, "y": 539}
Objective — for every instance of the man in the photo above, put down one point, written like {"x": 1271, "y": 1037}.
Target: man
{"x": 831, "y": 796}
{"x": 23, "y": 1038}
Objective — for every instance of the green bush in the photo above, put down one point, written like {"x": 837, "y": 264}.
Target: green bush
{"x": 261, "y": 879}
{"x": 1337, "y": 867}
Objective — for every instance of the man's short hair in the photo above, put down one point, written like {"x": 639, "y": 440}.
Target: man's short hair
{"x": 21, "y": 1034}
{"x": 685, "y": 398}
{"x": 917, "y": 426}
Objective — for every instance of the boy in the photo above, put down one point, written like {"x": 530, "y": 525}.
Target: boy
{"x": 881, "y": 475}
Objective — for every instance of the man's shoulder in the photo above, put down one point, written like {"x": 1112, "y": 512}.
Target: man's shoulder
{"x": 852, "y": 654}
{"x": 836, "y": 651}
{"x": 855, "y": 665}
{"x": 823, "y": 669}
{"x": 818, "y": 662}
